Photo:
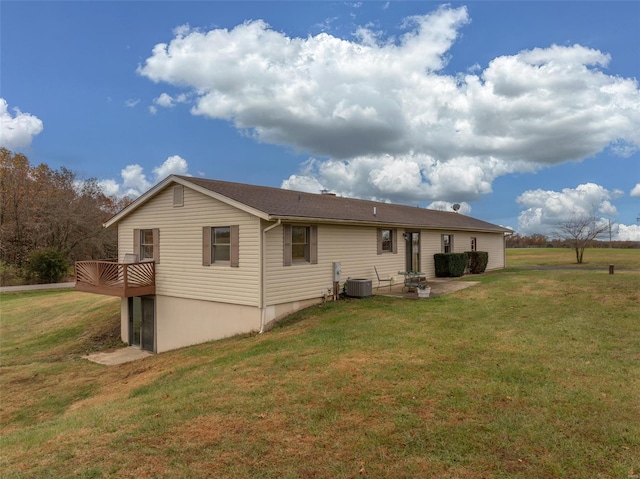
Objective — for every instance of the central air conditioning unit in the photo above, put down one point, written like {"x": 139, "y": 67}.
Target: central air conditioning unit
{"x": 359, "y": 288}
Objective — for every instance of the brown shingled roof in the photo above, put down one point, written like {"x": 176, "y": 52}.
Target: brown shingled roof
{"x": 288, "y": 204}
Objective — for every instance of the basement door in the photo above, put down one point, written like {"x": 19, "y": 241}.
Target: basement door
{"x": 142, "y": 324}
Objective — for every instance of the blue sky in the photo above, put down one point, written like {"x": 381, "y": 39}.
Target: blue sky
{"x": 526, "y": 113}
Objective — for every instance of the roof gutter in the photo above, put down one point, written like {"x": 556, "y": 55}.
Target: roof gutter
{"x": 309, "y": 219}
{"x": 263, "y": 266}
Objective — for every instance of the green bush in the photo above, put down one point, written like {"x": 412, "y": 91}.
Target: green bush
{"x": 450, "y": 264}
{"x": 11, "y": 275}
{"x": 48, "y": 265}
{"x": 478, "y": 261}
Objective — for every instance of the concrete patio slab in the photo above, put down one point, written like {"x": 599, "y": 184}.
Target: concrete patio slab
{"x": 439, "y": 286}
{"x": 119, "y": 356}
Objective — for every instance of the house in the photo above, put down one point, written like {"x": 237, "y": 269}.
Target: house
{"x": 202, "y": 259}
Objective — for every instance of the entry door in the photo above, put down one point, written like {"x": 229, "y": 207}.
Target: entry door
{"x": 142, "y": 322}
{"x": 413, "y": 250}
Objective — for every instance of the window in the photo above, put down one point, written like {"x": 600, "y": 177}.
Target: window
{"x": 146, "y": 244}
{"x": 413, "y": 251}
{"x": 300, "y": 244}
{"x": 447, "y": 243}
{"x": 387, "y": 244}
{"x": 474, "y": 244}
{"x": 387, "y": 241}
{"x": 220, "y": 245}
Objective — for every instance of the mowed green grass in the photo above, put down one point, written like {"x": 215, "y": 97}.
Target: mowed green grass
{"x": 530, "y": 373}
{"x": 593, "y": 257}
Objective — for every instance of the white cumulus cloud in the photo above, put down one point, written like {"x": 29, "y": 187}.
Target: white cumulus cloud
{"x": 402, "y": 178}
{"x": 546, "y": 209}
{"x": 628, "y": 232}
{"x": 636, "y": 190}
{"x": 167, "y": 101}
{"x": 382, "y": 118}
{"x": 109, "y": 187}
{"x": 302, "y": 183}
{"x": 174, "y": 165}
{"x": 17, "y": 131}
{"x": 134, "y": 181}
{"x": 164, "y": 100}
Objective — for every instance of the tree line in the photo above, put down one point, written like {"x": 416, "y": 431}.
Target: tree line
{"x": 542, "y": 241}
{"x": 48, "y": 210}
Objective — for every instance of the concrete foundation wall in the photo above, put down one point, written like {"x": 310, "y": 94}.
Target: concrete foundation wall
{"x": 277, "y": 312}
{"x": 181, "y": 322}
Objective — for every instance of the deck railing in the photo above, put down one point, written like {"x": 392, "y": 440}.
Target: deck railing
{"x": 116, "y": 279}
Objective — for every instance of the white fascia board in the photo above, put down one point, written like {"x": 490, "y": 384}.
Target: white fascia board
{"x": 141, "y": 200}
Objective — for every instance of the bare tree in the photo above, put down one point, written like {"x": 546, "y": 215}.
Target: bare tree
{"x": 43, "y": 208}
{"x": 579, "y": 232}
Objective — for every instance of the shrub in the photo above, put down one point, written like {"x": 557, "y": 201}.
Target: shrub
{"x": 478, "y": 261}
{"x": 10, "y": 275}
{"x": 450, "y": 264}
{"x": 48, "y": 265}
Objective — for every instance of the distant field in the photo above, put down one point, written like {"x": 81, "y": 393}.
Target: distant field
{"x": 528, "y": 374}
{"x": 593, "y": 257}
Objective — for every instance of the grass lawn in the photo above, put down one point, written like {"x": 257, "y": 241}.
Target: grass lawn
{"x": 593, "y": 257}
{"x": 529, "y": 374}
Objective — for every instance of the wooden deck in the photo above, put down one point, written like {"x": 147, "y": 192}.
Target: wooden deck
{"x": 116, "y": 279}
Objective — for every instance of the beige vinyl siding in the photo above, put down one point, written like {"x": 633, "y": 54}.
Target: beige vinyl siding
{"x": 355, "y": 247}
{"x": 180, "y": 272}
{"x": 431, "y": 243}
{"x": 493, "y": 244}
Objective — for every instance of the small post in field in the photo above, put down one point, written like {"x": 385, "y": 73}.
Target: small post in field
{"x": 610, "y": 269}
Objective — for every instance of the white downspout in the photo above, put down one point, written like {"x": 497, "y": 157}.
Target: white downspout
{"x": 263, "y": 265}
